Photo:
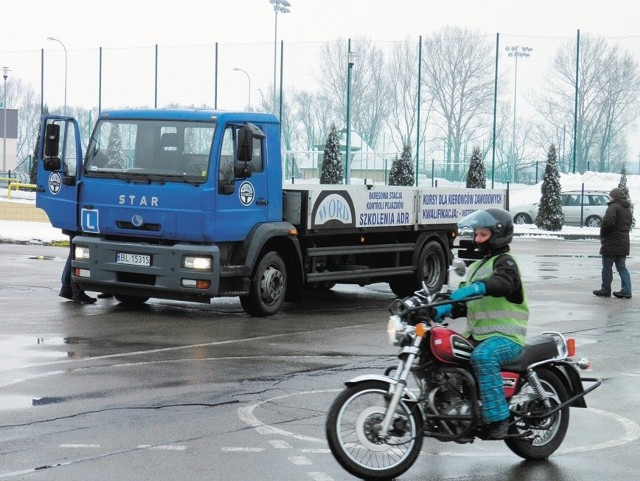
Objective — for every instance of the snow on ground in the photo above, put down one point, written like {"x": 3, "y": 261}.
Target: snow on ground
{"x": 42, "y": 232}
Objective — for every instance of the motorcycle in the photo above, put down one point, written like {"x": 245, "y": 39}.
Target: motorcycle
{"x": 376, "y": 425}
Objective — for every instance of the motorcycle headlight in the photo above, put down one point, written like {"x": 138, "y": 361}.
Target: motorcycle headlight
{"x": 395, "y": 330}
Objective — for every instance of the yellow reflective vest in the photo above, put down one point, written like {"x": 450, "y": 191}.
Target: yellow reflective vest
{"x": 490, "y": 316}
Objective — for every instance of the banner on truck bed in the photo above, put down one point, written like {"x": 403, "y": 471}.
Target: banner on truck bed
{"x": 444, "y": 206}
{"x": 351, "y": 207}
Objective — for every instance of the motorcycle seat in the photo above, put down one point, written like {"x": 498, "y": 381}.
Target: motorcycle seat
{"x": 536, "y": 349}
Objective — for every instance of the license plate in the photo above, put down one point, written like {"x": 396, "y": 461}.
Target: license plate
{"x": 133, "y": 259}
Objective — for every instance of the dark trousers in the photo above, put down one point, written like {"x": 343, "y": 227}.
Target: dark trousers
{"x": 621, "y": 267}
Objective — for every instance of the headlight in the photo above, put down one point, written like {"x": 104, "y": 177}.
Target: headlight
{"x": 198, "y": 263}
{"x": 81, "y": 253}
{"x": 395, "y": 330}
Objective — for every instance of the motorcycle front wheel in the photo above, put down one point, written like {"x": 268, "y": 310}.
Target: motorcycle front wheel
{"x": 547, "y": 433}
{"x": 351, "y": 432}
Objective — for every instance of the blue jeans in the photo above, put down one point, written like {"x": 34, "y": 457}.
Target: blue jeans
{"x": 486, "y": 360}
{"x": 621, "y": 267}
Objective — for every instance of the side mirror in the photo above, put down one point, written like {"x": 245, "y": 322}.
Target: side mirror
{"x": 242, "y": 170}
{"x": 245, "y": 144}
{"x": 246, "y": 135}
{"x": 227, "y": 189}
{"x": 459, "y": 267}
{"x": 51, "y": 161}
{"x": 52, "y": 140}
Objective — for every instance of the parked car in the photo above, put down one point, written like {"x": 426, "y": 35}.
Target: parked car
{"x": 578, "y": 209}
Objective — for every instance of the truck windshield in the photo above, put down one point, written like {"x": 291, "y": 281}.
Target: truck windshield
{"x": 150, "y": 149}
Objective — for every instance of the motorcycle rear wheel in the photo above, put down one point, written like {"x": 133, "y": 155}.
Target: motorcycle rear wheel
{"x": 548, "y": 433}
{"x": 353, "y": 442}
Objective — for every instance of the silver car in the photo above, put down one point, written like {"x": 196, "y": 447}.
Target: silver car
{"x": 578, "y": 209}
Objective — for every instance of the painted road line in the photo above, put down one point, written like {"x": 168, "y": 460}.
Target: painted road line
{"x": 300, "y": 460}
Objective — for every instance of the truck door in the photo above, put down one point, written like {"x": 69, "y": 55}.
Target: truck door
{"x": 241, "y": 201}
{"x": 59, "y": 171}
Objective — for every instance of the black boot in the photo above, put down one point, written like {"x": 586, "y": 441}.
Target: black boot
{"x": 498, "y": 430}
{"x": 81, "y": 298}
{"x": 602, "y": 293}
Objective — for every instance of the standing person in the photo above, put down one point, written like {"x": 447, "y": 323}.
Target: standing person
{"x": 70, "y": 289}
{"x": 496, "y": 322}
{"x": 615, "y": 246}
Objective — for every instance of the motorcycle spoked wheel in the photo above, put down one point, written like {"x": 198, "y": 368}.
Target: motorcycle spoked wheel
{"x": 353, "y": 442}
{"x": 547, "y": 433}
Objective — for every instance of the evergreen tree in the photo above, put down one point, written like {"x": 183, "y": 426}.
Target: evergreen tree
{"x": 623, "y": 185}
{"x": 550, "y": 216}
{"x": 401, "y": 172}
{"x": 115, "y": 148}
{"x": 477, "y": 175}
{"x": 332, "y": 159}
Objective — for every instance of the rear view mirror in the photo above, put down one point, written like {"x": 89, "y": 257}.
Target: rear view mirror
{"x": 459, "y": 267}
{"x": 245, "y": 144}
{"x": 50, "y": 159}
{"x": 52, "y": 140}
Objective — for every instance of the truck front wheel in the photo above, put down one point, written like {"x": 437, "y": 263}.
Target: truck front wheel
{"x": 432, "y": 267}
{"x": 268, "y": 287}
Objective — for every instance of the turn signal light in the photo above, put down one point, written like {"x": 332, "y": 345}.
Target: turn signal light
{"x": 571, "y": 346}
{"x": 421, "y": 329}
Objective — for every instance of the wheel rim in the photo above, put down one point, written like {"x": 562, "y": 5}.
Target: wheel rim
{"x": 271, "y": 285}
{"x": 431, "y": 270}
{"x": 355, "y": 427}
{"x": 546, "y": 429}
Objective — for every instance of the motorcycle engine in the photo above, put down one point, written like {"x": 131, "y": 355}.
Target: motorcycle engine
{"x": 447, "y": 396}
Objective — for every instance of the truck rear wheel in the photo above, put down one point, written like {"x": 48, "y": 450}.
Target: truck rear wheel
{"x": 432, "y": 267}
{"x": 268, "y": 287}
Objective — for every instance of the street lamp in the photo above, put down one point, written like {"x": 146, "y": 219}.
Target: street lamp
{"x": 5, "y": 74}
{"x": 249, "y": 79}
{"x": 279, "y": 6}
{"x": 65, "y": 72}
{"x": 516, "y": 52}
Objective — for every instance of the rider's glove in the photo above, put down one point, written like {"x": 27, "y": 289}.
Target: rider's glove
{"x": 475, "y": 289}
{"x": 442, "y": 311}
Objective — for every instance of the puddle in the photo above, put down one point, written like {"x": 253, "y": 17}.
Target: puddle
{"x": 23, "y": 351}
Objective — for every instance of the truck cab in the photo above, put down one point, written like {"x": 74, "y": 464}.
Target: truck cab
{"x": 156, "y": 190}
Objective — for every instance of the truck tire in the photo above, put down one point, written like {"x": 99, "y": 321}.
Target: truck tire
{"x": 131, "y": 300}
{"x": 432, "y": 267}
{"x": 268, "y": 287}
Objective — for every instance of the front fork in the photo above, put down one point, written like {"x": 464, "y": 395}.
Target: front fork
{"x": 397, "y": 390}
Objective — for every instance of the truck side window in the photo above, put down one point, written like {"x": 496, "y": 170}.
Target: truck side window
{"x": 225, "y": 167}
{"x": 70, "y": 154}
{"x": 257, "y": 161}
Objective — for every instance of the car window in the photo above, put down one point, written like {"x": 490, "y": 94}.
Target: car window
{"x": 571, "y": 199}
{"x": 598, "y": 199}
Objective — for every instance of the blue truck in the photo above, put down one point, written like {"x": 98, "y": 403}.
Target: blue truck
{"x": 190, "y": 205}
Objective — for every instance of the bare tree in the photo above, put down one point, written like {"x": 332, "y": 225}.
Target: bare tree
{"x": 313, "y": 116}
{"x": 369, "y": 91}
{"x": 402, "y": 78}
{"x": 608, "y": 90}
{"x": 459, "y": 77}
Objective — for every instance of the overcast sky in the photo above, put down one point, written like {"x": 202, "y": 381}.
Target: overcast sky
{"x": 79, "y": 24}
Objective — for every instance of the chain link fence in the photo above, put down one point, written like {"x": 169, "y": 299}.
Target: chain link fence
{"x": 521, "y": 98}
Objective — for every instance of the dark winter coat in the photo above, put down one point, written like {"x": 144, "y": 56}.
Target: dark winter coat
{"x": 616, "y": 224}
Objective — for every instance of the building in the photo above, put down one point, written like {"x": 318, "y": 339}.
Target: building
{"x": 11, "y": 140}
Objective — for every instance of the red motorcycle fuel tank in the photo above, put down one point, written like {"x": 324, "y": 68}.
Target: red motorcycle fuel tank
{"x": 449, "y": 346}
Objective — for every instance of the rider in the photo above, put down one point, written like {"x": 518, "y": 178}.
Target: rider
{"x": 497, "y": 322}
